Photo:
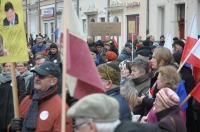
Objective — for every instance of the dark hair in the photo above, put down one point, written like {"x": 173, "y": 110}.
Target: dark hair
{"x": 175, "y": 38}
{"x": 93, "y": 49}
{"x": 40, "y": 36}
{"x": 8, "y": 6}
{"x": 128, "y": 66}
{"x": 162, "y": 36}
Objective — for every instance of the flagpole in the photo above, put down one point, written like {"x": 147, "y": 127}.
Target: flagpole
{"x": 64, "y": 68}
{"x": 185, "y": 100}
{"x": 182, "y": 64}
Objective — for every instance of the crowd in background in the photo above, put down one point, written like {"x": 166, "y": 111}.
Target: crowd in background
{"x": 143, "y": 89}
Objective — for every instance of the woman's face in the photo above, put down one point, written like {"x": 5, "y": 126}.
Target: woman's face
{"x": 135, "y": 72}
{"x": 159, "y": 83}
{"x": 20, "y": 67}
{"x": 158, "y": 105}
{"x": 7, "y": 67}
{"x": 124, "y": 71}
{"x": 154, "y": 62}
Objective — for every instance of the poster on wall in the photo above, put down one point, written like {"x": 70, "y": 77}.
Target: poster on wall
{"x": 131, "y": 26}
{"x": 13, "y": 45}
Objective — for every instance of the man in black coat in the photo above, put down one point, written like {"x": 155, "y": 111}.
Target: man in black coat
{"x": 11, "y": 16}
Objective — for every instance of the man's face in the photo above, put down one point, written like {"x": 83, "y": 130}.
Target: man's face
{"x": 10, "y": 15}
{"x": 53, "y": 50}
{"x": 43, "y": 83}
{"x": 39, "y": 39}
{"x": 48, "y": 46}
{"x": 100, "y": 49}
{"x": 39, "y": 61}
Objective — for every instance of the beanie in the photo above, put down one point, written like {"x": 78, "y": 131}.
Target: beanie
{"x": 110, "y": 55}
{"x": 53, "y": 45}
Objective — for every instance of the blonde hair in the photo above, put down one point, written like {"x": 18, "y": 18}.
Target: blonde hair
{"x": 162, "y": 53}
{"x": 130, "y": 94}
{"x": 169, "y": 76}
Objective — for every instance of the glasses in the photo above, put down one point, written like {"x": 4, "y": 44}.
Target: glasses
{"x": 43, "y": 76}
{"x": 39, "y": 38}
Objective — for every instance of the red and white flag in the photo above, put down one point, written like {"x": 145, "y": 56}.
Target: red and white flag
{"x": 115, "y": 41}
{"x": 191, "y": 41}
{"x": 195, "y": 93}
{"x": 82, "y": 75}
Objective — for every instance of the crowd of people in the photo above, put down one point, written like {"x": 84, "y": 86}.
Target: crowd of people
{"x": 143, "y": 90}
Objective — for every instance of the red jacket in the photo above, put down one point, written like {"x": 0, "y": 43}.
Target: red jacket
{"x": 49, "y": 114}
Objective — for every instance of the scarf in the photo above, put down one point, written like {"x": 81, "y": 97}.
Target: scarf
{"x": 30, "y": 120}
{"x": 6, "y": 76}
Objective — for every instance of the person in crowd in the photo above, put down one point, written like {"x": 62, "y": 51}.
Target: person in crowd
{"x": 101, "y": 51}
{"x": 162, "y": 40}
{"x": 90, "y": 42}
{"x": 94, "y": 52}
{"x": 36, "y": 110}
{"x": 131, "y": 95}
{"x": 11, "y": 16}
{"x": 111, "y": 56}
{"x": 54, "y": 54}
{"x": 167, "y": 111}
{"x": 128, "y": 126}
{"x": 186, "y": 75}
{"x": 172, "y": 81}
{"x": 23, "y": 69}
{"x": 6, "y": 95}
{"x": 149, "y": 40}
{"x": 3, "y": 51}
{"x": 140, "y": 72}
{"x": 178, "y": 45}
{"x": 30, "y": 55}
{"x": 109, "y": 46}
{"x": 39, "y": 46}
{"x": 126, "y": 52}
{"x": 110, "y": 76}
{"x": 161, "y": 56}
{"x": 48, "y": 43}
{"x": 136, "y": 41}
{"x": 125, "y": 72}
{"x": 95, "y": 113}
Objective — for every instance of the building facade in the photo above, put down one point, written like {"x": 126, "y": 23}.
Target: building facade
{"x": 172, "y": 16}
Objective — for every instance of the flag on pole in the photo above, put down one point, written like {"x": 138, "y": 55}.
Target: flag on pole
{"x": 196, "y": 92}
{"x": 168, "y": 42}
{"x": 191, "y": 41}
{"x": 82, "y": 76}
{"x": 114, "y": 38}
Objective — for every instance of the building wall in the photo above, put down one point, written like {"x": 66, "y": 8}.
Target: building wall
{"x": 171, "y": 16}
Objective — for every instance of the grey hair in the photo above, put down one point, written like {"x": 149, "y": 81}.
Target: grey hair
{"x": 141, "y": 64}
{"x": 107, "y": 127}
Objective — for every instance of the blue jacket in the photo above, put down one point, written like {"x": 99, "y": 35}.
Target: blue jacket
{"x": 36, "y": 48}
{"x": 124, "y": 109}
{"x": 124, "y": 56}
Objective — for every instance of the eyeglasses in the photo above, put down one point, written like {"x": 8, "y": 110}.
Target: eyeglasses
{"x": 39, "y": 38}
{"x": 43, "y": 76}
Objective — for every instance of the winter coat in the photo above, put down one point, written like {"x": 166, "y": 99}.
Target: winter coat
{"x": 124, "y": 56}
{"x": 36, "y": 48}
{"x": 6, "y": 101}
{"x": 169, "y": 120}
{"x": 49, "y": 113}
{"x": 124, "y": 110}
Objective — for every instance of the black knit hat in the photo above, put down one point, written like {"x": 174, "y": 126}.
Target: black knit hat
{"x": 53, "y": 45}
{"x": 99, "y": 43}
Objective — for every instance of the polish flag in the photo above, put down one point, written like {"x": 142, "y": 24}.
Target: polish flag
{"x": 168, "y": 42}
{"x": 82, "y": 77}
{"x": 190, "y": 42}
{"x": 114, "y": 38}
{"x": 196, "y": 92}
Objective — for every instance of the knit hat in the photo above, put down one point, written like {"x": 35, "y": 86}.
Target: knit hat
{"x": 167, "y": 97}
{"x": 100, "y": 107}
{"x": 110, "y": 71}
{"x": 129, "y": 45}
{"x": 99, "y": 43}
{"x": 110, "y": 55}
{"x": 179, "y": 42}
{"x": 53, "y": 45}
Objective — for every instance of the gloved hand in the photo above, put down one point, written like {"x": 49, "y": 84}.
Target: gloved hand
{"x": 16, "y": 123}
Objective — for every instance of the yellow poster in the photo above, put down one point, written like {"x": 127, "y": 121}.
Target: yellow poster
{"x": 13, "y": 45}
{"x": 131, "y": 26}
